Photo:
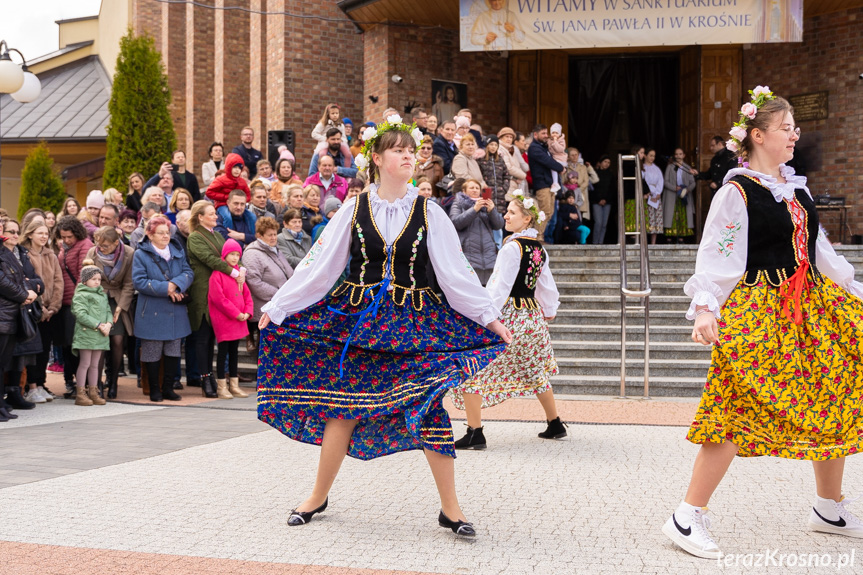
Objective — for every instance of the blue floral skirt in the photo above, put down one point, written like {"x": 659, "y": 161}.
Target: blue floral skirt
{"x": 398, "y": 367}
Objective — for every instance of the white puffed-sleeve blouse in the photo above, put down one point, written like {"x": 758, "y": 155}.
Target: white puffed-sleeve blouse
{"x": 320, "y": 269}
{"x": 506, "y": 270}
{"x": 721, "y": 260}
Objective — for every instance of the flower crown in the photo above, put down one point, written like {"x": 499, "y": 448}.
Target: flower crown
{"x": 372, "y": 134}
{"x": 760, "y": 95}
{"x": 530, "y": 205}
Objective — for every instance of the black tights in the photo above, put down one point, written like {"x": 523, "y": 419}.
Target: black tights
{"x": 115, "y": 354}
{"x": 205, "y": 342}
{"x": 229, "y": 350}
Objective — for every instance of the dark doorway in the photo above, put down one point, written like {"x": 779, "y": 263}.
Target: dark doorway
{"x": 617, "y": 102}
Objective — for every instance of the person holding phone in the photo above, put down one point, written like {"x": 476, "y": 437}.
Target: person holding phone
{"x": 475, "y": 219}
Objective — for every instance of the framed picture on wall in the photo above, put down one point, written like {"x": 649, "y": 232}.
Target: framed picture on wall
{"x": 447, "y": 99}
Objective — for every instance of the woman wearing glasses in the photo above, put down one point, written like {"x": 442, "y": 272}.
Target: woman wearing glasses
{"x": 430, "y": 166}
{"x": 785, "y": 317}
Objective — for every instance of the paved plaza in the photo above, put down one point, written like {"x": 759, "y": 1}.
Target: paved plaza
{"x": 205, "y": 489}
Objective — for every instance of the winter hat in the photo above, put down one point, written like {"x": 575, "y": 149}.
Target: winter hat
{"x": 96, "y": 199}
{"x": 556, "y": 128}
{"x": 332, "y": 203}
{"x": 231, "y": 245}
{"x": 462, "y": 122}
{"x": 88, "y": 271}
{"x": 347, "y": 121}
{"x": 506, "y": 131}
{"x": 492, "y": 138}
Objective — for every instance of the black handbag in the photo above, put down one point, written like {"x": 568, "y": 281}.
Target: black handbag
{"x": 27, "y": 328}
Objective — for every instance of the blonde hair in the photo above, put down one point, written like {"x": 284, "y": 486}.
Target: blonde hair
{"x": 309, "y": 189}
{"x": 288, "y": 190}
{"x": 765, "y": 116}
{"x": 112, "y": 196}
{"x": 198, "y": 209}
{"x": 466, "y": 138}
{"x": 172, "y": 206}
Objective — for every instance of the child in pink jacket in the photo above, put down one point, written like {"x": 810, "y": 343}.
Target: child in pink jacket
{"x": 230, "y": 306}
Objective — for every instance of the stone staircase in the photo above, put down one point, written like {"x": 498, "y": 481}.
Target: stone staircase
{"x": 586, "y": 333}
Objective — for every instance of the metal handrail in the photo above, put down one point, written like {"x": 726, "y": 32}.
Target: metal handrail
{"x": 643, "y": 291}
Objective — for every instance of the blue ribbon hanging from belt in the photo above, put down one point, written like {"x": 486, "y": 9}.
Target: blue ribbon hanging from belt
{"x": 372, "y": 308}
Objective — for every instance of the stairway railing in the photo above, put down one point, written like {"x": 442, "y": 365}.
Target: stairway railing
{"x": 643, "y": 291}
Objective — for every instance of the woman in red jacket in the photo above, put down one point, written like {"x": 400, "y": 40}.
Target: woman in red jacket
{"x": 75, "y": 244}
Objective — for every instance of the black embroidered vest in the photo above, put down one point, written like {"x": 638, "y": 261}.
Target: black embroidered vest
{"x": 782, "y": 235}
{"x": 533, "y": 259}
{"x": 405, "y": 260}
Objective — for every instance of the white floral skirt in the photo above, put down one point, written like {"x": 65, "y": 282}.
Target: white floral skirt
{"x": 522, "y": 369}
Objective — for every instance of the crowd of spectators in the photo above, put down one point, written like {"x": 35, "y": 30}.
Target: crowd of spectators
{"x": 181, "y": 261}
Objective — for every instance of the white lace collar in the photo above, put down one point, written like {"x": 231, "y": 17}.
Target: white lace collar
{"x": 780, "y": 191}
{"x": 528, "y": 233}
{"x": 404, "y": 202}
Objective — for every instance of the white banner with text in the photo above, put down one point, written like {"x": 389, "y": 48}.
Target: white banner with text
{"x": 497, "y": 25}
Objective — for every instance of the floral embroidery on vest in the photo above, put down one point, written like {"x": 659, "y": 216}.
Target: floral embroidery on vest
{"x": 414, "y": 247}
{"x": 363, "y": 250}
{"x": 534, "y": 268}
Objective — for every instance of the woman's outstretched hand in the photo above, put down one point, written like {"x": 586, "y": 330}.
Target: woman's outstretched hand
{"x": 500, "y": 329}
{"x": 265, "y": 321}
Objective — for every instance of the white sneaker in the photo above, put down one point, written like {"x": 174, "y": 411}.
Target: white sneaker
{"x": 44, "y": 393}
{"x": 688, "y": 528}
{"x": 829, "y": 516}
{"x": 33, "y": 396}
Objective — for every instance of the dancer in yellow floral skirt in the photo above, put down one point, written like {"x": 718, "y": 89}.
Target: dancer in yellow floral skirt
{"x": 785, "y": 317}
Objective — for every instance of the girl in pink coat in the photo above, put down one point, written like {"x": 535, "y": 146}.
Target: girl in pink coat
{"x": 230, "y": 306}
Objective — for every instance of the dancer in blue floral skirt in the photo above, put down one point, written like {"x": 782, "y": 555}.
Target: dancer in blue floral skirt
{"x": 362, "y": 369}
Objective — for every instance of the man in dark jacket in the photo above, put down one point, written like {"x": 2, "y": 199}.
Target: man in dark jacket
{"x": 250, "y": 155}
{"x": 722, "y": 161}
{"x": 241, "y": 225}
{"x": 444, "y": 147}
{"x": 541, "y": 166}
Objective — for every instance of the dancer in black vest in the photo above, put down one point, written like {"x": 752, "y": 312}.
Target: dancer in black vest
{"x": 521, "y": 284}
{"x": 786, "y": 378}
{"x": 363, "y": 371}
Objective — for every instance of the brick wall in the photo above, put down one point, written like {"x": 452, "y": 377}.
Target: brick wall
{"x": 323, "y": 63}
{"x": 200, "y": 40}
{"x": 231, "y": 73}
{"x": 173, "y": 47}
{"x": 421, "y": 55}
{"x": 828, "y": 59}
{"x": 258, "y": 69}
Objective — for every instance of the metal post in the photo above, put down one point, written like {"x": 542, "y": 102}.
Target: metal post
{"x": 643, "y": 291}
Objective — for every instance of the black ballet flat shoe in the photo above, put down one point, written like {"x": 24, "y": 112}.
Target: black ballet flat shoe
{"x": 461, "y": 528}
{"x": 303, "y": 517}
{"x": 556, "y": 429}
{"x": 473, "y": 439}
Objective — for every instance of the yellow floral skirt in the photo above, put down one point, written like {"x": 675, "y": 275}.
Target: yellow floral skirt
{"x": 786, "y": 390}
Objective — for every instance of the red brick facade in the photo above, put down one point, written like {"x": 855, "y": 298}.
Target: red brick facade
{"x": 830, "y": 59}
{"x": 280, "y": 69}
{"x": 420, "y": 55}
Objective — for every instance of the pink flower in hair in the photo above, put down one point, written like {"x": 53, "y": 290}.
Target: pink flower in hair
{"x": 749, "y": 110}
{"x": 732, "y": 145}
{"x": 738, "y": 132}
{"x": 759, "y": 90}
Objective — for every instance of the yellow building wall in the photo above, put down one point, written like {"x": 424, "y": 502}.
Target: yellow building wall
{"x": 114, "y": 19}
{"x": 80, "y": 31}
